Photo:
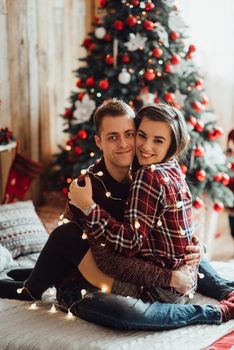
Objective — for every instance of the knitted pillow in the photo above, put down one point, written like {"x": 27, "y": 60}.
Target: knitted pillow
{"x": 21, "y": 230}
{"x": 6, "y": 260}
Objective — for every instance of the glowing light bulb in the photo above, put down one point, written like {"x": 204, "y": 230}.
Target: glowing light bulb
{"x": 104, "y": 290}
{"x": 61, "y": 217}
{"x": 92, "y": 154}
{"x": 68, "y": 148}
{"x": 137, "y": 224}
{"x": 191, "y": 295}
{"x": 179, "y": 204}
{"x": 100, "y": 173}
{"x": 84, "y": 235}
{"x": 153, "y": 167}
{"x": 69, "y": 316}
{"x": 103, "y": 245}
{"x": 53, "y": 309}
{"x": 60, "y": 223}
{"x": 159, "y": 223}
{"x": 200, "y": 275}
{"x": 83, "y": 171}
{"x": 182, "y": 232}
{"x": 65, "y": 221}
{"x": 19, "y": 290}
{"x": 108, "y": 194}
{"x": 33, "y": 306}
{"x": 83, "y": 292}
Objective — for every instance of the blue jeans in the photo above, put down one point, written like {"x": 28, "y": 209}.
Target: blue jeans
{"x": 128, "y": 313}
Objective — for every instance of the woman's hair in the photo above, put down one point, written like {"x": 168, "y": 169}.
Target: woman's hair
{"x": 113, "y": 108}
{"x": 173, "y": 117}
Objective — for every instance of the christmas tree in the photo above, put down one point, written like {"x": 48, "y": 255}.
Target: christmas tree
{"x": 138, "y": 51}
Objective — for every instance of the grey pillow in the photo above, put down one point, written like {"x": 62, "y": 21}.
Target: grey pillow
{"x": 21, "y": 230}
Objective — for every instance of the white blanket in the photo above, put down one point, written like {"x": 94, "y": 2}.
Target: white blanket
{"x": 24, "y": 329}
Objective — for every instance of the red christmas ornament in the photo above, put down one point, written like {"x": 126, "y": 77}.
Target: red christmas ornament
{"x": 80, "y": 83}
{"x": 211, "y": 135}
{"x": 218, "y": 206}
{"x": 148, "y": 25}
{"x": 197, "y": 106}
{"x": 189, "y": 56}
{"x": 175, "y": 59}
{"x": 68, "y": 113}
{"x": 205, "y": 100}
{"x": 78, "y": 150}
{"x": 199, "y": 151}
{"x": 125, "y": 58}
{"x": 174, "y": 36}
{"x": 192, "y": 48}
{"x": 119, "y": 25}
{"x": 102, "y": 3}
{"x": 90, "y": 82}
{"x": 198, "y": 84}
{"x": 80, "y": 96}
{"x": 131, "y": 21}
{"x": 157, "y": 100}
{"x": 82, "y": 134}
{"x": 70, "y": 143}
{"x": 91, "y": 46}
{"x": 192, "y": 120}
{"x": 225, "y": 179}
{"x": 149, "y": 74}
{"x": 168, "y": 68}
{"x": 149, "y": 6}
{"x": 218, "y": 131}
{"x": 198, "y": 203}
{"x": 200, "y": 175}
{"x": 169, "y": 97}
{"x": 107, "y": 37}
{"x": 217, "y": 177}
{"x": 199, "y": 126}
{"x": 183, "y": 168}
{"x": 135, "y": 3}
{"x": 86, "y": 42}
{"x": 104, "y": 84}
{"x": 157, "y": 52}
{"x": 109, "y": 60}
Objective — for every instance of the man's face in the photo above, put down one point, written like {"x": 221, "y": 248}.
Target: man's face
{"x": 117, "y": 141}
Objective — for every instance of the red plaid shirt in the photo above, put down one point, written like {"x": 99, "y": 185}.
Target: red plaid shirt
{"x": 157, "y": 221}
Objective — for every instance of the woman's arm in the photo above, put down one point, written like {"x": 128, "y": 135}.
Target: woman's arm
{"x": 144, "y": 198}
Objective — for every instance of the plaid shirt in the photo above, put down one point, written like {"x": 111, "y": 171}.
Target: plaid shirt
{"x": 157, "y": 221}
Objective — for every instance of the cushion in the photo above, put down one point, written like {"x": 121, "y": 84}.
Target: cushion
{"x": 21, "y": 230}
{"x": 6, "y": 260}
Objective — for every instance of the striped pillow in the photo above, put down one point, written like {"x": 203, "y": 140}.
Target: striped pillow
{"x": 21, "y": 230}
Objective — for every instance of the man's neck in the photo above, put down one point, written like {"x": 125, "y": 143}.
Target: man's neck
{"x": 119, "y": 174}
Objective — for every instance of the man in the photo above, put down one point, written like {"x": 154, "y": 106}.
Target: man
{"x": 115, "y": 137}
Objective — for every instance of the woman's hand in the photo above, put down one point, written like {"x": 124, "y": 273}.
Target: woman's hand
{"x": 182, "y": 279}
{"x": 81, "y": 197}
{"x": 194, "y": 252}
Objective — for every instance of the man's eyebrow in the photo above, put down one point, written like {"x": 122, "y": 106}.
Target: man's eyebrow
{"x": 112, "y": 133}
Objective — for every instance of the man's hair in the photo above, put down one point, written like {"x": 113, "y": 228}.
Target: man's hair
{"x": 113, "y": 108}
{"x": 171, "y": 116}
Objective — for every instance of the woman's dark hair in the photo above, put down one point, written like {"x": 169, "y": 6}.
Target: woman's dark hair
{"x": 173, "y": 117}
{"x": 113, "y": 108}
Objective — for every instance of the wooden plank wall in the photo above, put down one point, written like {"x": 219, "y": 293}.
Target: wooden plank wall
{"x": 39, "y": 47}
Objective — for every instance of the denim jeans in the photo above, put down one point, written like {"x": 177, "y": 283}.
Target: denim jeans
{"x": 129, "y": 313}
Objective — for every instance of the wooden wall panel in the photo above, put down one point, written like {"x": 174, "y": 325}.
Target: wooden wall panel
{"x": 39, "y": 49}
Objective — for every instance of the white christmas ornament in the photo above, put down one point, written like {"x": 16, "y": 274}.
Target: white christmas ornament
{"x": 84, "y": 109}
{"x": 124, "y": 77}
{"x": 100, "y": 32}
{"x": 135, "y": 42}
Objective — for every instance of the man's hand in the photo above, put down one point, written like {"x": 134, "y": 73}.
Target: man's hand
{"x": 194, "y": 252}
{"x": 182, "y": 279}
{"x": 81, "y": 197}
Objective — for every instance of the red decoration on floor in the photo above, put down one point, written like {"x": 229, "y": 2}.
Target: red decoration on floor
{"x": 21, "y": 174}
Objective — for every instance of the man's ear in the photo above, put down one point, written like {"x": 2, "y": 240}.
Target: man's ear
{"x": 98, "y": 142}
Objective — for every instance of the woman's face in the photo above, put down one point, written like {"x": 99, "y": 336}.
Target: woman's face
{"x": 153, "y": 140}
